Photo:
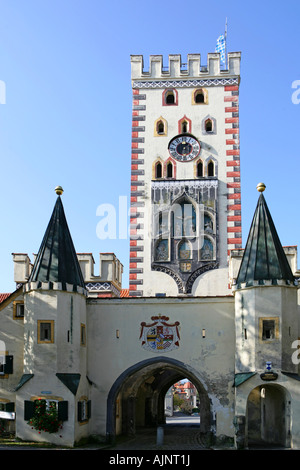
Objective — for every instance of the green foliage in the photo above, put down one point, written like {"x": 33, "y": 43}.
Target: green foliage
{"x": 45, "y": 418}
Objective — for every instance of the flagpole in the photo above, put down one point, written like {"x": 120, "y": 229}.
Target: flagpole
{"x": 225, "y": 36}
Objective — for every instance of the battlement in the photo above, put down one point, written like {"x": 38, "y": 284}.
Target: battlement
{"x": 192, "y": 68}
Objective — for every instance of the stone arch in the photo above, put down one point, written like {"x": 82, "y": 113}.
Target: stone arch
{"x": 268, "y": 416}
{"x": 142, "y": 387}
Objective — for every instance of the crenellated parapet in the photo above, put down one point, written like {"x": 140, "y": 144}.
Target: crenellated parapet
{"x": 191, "y": 69}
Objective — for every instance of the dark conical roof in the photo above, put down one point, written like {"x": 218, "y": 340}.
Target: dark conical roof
{"x": 264, "y": 257}
{"x": 57, "y": 260}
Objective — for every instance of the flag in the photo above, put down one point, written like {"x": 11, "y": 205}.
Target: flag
{"x": 220, "y": 47}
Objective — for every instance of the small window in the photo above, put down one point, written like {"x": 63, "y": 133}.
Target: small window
{"x": 160, "y": 127}
{"x": 84, "y": 410}
{"x": 199, "y": 169}
{"x": 158, "y": 170}
{"x": 169, "y": 170}
{"x": 82, "y": 335}
{"x": 45, "y": 331}
{"x": 18, "y": 309}
{"x": 199, "y": 98}
{"x": 211, "y": 169}
{"x": 170, "y": 98}
{"x": 208, "y": 125}
{"x": 184, "y": 127}
{"x": 268, "y": 330}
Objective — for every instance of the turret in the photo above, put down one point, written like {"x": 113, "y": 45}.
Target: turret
{"x": 54, "y": 334}
{"x": 265, "y": 300}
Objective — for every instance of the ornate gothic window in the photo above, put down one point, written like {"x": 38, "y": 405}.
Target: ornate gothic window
{"x": 160, "y": 127}
{"x": 211, "y": 168}
{"x": 207, "y": 251}
{"x": 199, "y": 169}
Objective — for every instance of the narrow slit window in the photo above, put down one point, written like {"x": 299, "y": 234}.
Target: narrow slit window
{"x": 160, "y": 127}
{"x": 208, "y": 125}
{"x": 158, "y": 170}
{"x": 184, "y": 127}
{"x": 169, "y": 170}
{"x": 211, "y": 169}
{"x": 199, "y": 169}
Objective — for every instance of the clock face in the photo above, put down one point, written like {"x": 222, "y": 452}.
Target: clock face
{"x": 184, "y": 148}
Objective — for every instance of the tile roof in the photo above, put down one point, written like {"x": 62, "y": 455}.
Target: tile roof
{"x": 56, "y": 260}
{"x": 3, "y": 297}
{"x": 264, "y": 257}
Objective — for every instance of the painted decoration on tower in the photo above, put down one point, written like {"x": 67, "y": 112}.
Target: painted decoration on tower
{"x": 160, "y": 336}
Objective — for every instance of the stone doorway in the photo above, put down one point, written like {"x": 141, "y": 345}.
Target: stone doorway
{"x": 137, "y": 398}
{"x": 268, "y": 416}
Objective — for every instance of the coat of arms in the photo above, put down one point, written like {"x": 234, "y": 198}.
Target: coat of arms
{"x": 160, "y": 336}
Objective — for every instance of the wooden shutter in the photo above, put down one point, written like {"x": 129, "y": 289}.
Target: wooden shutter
{"x": 8, "y": 366}
{"x": 62, "y": 410}
{"x": 28, "y": 409}
{"x": 10, "y": 406}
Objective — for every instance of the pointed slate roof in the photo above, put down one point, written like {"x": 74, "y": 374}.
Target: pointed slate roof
{"x": 57, "y": 260}
{"x": 264, "y": 257}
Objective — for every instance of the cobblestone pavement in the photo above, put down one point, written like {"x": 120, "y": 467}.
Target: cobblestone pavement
{"x": 174, "y": 438}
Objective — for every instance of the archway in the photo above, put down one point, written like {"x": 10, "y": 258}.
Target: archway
{"x": 268, "y": 416}
{"x": 137, "y": 398}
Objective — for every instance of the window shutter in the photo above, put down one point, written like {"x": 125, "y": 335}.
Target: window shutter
{"x": 63, "y": 410}
{"x": 28, "y": 409}
{"x": 79, "y": 411}
{"x": 8, "y": 366}
{"x": 10, "y": 406}
{"x": 89, "y": 409}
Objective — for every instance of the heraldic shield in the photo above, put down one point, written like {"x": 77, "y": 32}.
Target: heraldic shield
{"x": 160, "y": 336}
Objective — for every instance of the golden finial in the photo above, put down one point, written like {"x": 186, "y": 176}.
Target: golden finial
{"x": 59, "y": 190}
{"x": 261, "y": 187}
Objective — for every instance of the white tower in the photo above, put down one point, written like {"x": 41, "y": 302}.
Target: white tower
{"x": 185, "y": 175}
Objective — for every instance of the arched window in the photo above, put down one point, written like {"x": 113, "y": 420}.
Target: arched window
{"x": 160, "y": 127}
{"x": 158, "y": 170}
{"x": 200, "y": 96}
{"x": 169, "y": 170}
{"x": 183, "y": 219}
{"x": 170, "y": 97}
{"x": 208, "y": 125}
{"x": 199, "y": 169}
{"x": 211, "y": 169}
{"x": 207, "y": 251}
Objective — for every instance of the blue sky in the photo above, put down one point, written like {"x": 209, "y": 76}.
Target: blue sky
{"x": 66, "y": 119}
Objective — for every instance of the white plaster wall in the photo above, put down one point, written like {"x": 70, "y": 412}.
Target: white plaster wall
{"x": 212, "y": 357}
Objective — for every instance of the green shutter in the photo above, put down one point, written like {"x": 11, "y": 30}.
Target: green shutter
{"x": 10, "y": 406}
{"x": 79, "y": 411}
{"x": 8, "y": 366}
{"x": 63, "y": 410}
{"x": 28, "y": 409}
